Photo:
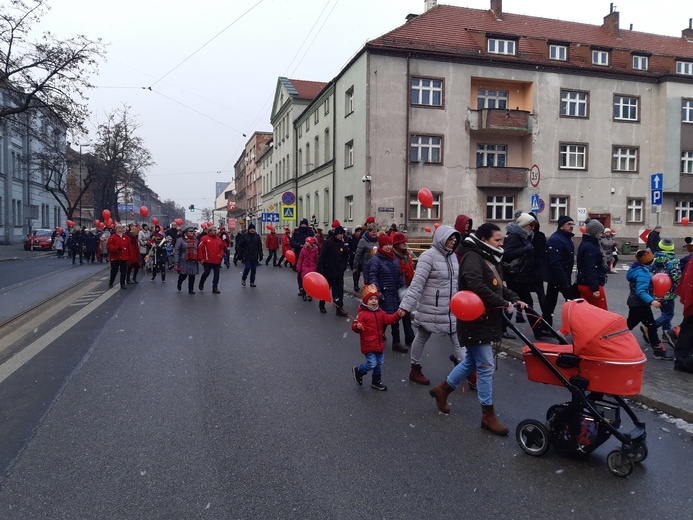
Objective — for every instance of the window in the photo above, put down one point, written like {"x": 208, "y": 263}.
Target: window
{"x": 349, "y": 101}
{"x": 500, "y": 207}
{"x": 327, "y": 144}
{"x": 490, "y": 155}
{"x": 349, "y": 154}
{"x": 300, "y": 130}
{"x": 307, "y": 124}
{"x": 684, "y": 67}
{"x": 574, "y": 103}
{"x": 300, "y": 161}
{"x": 687, "y": 161}
{"x": 600, "y": 58}
{"x": 684, "y": 208}
{"x": 428, "y": 92}
{"x": 349, "y": 208}
{"x": 316, "y": 117}
{"x": 558, "y": 206}
{"x": 425, "y": 149}
{"x": 327, "y": 106}
{"x": 498, "y": 46}
{"x": 624, "y": 159}
{"x": 420, "y": 212}
{"x": 326, "y": 204}
{"x": 635, "y": 209}
{"x": 626, "y": 108}
{"x": 687, "y": 111}
{"x": 558, "y": 52}
{"x": 316, "y": 151}
{"x": 640, "y": 63}
{"x": 491, "y": 99}
{"x": 309, "y": 166}
{"x": 573, "y": 157}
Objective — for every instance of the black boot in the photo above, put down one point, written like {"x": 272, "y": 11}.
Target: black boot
{"x": 377, "y": 384}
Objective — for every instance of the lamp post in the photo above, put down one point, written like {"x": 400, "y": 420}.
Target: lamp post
{"x": 79, "y": 187}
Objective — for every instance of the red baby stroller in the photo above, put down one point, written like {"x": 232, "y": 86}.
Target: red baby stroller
{"x": 603, "y": 363}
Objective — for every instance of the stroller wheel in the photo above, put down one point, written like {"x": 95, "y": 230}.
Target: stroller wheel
{"x": 619, "y": 464}
{"x": 533, "y": 437}
{"x": 639, "y": 452}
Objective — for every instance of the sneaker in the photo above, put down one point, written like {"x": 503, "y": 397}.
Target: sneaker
{"x": 662, "y": 353}
{"x": 253, "y": 285}
{"x": 644, "y": 333}
{"x": 667, "y": 337}
{"x": 358, "y": 376}
{"x": 243, "y": 283}
{"x": 378, "y": 385}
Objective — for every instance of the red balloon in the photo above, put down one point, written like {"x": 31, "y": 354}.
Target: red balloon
{"x": 102, "y": 225}
{"x": 467, "y": 306}
{"x": 661, "y": 284}
{"x": 106, "y": 215}
{"x": 203, "y": 225}
{"x": 96, "y": 221}
{"x": 427, "y": 229}
{"x": 69, "y": 223}
{"x": 179, "y": 221}
{"x": 685, "y": 221}
{"x": 582, "y": 229}
{"x": 110, "y": 222}
{"x": 210, "y": 224}
{"x": 316, "y": 286}
{"x": 425, "y": 197}
{"x": 290, "y": 256}
{"x": 132, "y": 215}
{"x": 155, "y": 221}
{"x": 144, "y": 211}
{"x": 269, "y": 227}
{"x": 436, "y": 225}
{"x": 60, "y": 230}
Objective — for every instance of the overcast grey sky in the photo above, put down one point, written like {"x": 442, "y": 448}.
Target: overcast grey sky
{"x": 200, "y": 105}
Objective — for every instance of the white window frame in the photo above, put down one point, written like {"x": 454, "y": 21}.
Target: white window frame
{"x": 558, "y": 205}
{"x": 686, "y": 161}
{"x": 327, "y": 106}
{"x": 349, "y": 208}
{"x": 349, "y": 101}
{"x": 640, "y": 62}
{"x": 684, "y": 67}
{"x": 683, "y": 208}
{"x": 307, "y": 124}
{"x": 687, "y": 111}
{"x": 558, "y": 52}
{"x": 427, "y": 149}
{"x": 422, "y": 88}
{"x": 316, "y": 116}
{"x": 573, "y": 156}
{"x": 490, "y": 96}
{"x": 574, "y": 100}
{"x": 626, "y": 108}
{"x": 625, "y": 159}
{"x": 493, "y": 152}
{"x": 505, "y": 204}
{"x": 418, "y": 211}
{"x": 349, "y": 154}
{"x": 635, "y": 210}
{"x": 600, "y": 58}
{"x": 502, "y": 46}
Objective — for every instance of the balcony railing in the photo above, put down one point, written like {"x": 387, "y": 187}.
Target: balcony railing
{"x": 493, "y": 177}
{"x": 496, "y": 120}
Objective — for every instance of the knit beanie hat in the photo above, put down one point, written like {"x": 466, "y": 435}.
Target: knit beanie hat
{"x": 371, "y": 226}
{"x": 370, "y": 220}
{"x": 594, "y": 228}
{"x": 339, "y": 230}
{"x": 304, "y": 221}
{"x": 524, "y": 219}
{"x": 667, "y": 244}
{"x": 563, "y": 220}
{"x": 251, "y": 226}
{"x": 383, "y": 240}
{"x": 644, "y": 256}
{"x": 336, "y": 223}
{"x": 368, "y": 291}
{"x": 398, "y": 238}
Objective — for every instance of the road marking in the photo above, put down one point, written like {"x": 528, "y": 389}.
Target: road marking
{"x": 21, "y": 358}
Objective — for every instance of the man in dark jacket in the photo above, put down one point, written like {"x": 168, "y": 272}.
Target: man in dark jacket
{"x": 591, "y": 265}
{"x": 298, "y": 238}
{"x": 353, "y": 243}
{"x": 560, "y": 258}
{"x": 653, "y": 239}
{"x": 250, "y": 254}
{"x": 332, "y": 262}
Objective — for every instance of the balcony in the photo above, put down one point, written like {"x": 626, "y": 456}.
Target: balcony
{"x": 499, "y": 122}
{"x": 493, "y": 177}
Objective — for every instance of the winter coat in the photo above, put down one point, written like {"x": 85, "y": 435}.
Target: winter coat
{"x": 299, "y": 237}
{"x": 188, "y": 267}
{"x": 539, "y": 245}
{"x": 518, "y": 255}
{"x": 477, "y": 276}
{"x": 560, "y": 258}
{"x": 386, "y": 276}
{"x": 639, "y": 277}
{"x": 307, "y": 261}
{"x": 77, "y": 241}
{"x": 134, "y": 251}
{"x": 608, "y": 245}
{"x": 211, "y": 250}
{"x": 143, "y": 241}
{"x": 653, "y": 241}
{"x": 272, "y": 242}
{"x": 119, "y": 247}
{"x": 373, "y": 331}
{"x": 158, "y": 250}
{"x": 433, "y": 286}
{"x": 685, "y": 290}
{"x": 91, "y": 243}
{"x": 251, "y": 248}
{"x": 406, "y": 267}
{"x": 363, "y": 252}
{"x": 333, "y": 259}
{"x": 353, "y": 242}
{"x": 59, "y": 243}
{"x": 286, "y": 243}
{"x": 591, "y": 268}
{"x": 667, "y": 263}
{"x": 463, "y": 225}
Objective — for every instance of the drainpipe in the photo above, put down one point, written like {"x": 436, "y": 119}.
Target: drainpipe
{"x": 407, "y": 165}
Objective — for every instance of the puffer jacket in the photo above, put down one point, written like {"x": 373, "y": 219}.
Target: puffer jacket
{"x": 133, "y": 250}
{"x": 640, "y": 280}
{"x": 307, "y": 260}
{"x": 118, "y": 247}
{"x": 667, "y": 263}
{"x": 560, "y": 258}
{"x": 272, "y": 242}
{"x": 250, "y": 248}
{"x": 433, "y": 286}
{"x": 363, "y": 252}
{"x": 386, "y": 276}
{"x": 211, "y": 250}
{"x": 333, "y": 259}
{"x": 373, "y": 324}
{"x": 591, "y": 267}
{"x": 518, "y": 255}
{"x": 477, "y": 276}
{"x": 286, "y": 243}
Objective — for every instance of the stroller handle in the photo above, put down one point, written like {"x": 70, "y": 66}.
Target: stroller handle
{"x": 539, "y": 322}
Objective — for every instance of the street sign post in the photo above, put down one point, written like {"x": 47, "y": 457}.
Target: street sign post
{"x": 535, "y": 203}
{"x": 656, "y": 184}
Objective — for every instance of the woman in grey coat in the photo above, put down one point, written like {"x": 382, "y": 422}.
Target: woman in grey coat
{"x": 429, "y": 294}
{"x": 185, "y": 257}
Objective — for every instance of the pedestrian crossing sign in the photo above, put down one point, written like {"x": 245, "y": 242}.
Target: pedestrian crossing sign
{"x": 288, "y": 212}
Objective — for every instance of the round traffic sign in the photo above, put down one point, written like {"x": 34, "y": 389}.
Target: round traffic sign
{"x": 288, "y": 198}
{"x": 542, "y": 205}
{"x": 534, "y": 176}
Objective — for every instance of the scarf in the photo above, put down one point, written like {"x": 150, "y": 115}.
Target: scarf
{"x": 493, "y": 254}
{"x": 387, "y": 255}
{"x": 406, "y": 266}
{"x": 190, "y": 248}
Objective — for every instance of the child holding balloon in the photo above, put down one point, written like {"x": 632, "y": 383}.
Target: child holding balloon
{"x": 307, "y": 263}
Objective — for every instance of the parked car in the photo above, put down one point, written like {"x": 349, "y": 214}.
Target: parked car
{"x": 40, "y": 240}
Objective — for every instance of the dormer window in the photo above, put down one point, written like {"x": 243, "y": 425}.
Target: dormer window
{"x": 600, "y": 58}
{"x": 640, "y": 62}
{"x": 684, "y": 67}
{"x": 558, "y": 52}
{"x": 501, "y": 46}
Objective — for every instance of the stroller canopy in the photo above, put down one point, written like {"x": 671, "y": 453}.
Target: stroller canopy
{"x": 599, "y": 334}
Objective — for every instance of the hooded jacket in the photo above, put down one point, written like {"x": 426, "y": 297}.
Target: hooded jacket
{"x": 640, "y": 279}
{"x": 433, "y": 286}
{"x": 518, "y": 254}
{"x": 211, "y": 250}
{"x": 560, "y": 258}
{"x": 307, "y": 261}
{"x": 363, "y": 252}
{"x": 299, "y": 237}
{"x": 373, "y": 331}
{"x": 667, "y": 263}
{"x": 119, "y": 247}
{"x": 386, "y": 276}
{"x": 591, "y": 268}
{"x": 463, "y": 225}
{"x": 333, "y": 259}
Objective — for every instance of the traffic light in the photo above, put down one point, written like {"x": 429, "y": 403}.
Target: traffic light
{"x": 192, "y": 208}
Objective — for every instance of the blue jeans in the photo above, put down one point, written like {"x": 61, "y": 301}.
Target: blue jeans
{"x": 664, "y": 320}
{"x": 374, "y": 362}
{"x": 479, "y": 358}
{"x": 250, "y": 267}
{"x": 211, "y": 268}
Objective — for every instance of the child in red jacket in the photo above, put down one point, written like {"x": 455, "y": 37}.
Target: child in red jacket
{"x": 370, "y": 324}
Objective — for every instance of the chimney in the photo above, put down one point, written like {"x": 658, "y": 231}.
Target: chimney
{"x": 430, "y": 4}
{"x": 688, "y": 33}
{"x": 497, "y": 8}
{"x": 611, "y": 22}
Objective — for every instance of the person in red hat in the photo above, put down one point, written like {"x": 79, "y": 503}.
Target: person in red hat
{"x": 406, "y": 268}
{"x": 370, "y": 324}
{"x": 286, "y": 246}
{"x": 272, "y": 245}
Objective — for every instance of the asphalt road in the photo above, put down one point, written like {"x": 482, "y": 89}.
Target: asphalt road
{"x": 162, "y": 405}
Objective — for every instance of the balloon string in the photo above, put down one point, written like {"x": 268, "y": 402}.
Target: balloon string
{"x": 345, "y": 312}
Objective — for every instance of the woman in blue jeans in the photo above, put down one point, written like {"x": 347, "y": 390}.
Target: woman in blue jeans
{"x": 480, "y": 272}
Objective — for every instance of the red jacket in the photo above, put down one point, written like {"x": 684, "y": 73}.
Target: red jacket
{"x": 118, "y": 247}
{"x": 211, "y": 250}
{"x": 286, "y": 243}
{"x": 307, "y": 261}
{"x": 272, "y": 242}
{"x": 373, "y": 328}
{"x": 134, "y": 249}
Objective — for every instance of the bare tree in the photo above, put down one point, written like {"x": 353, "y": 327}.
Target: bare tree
{"x": 46, "y": 73}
